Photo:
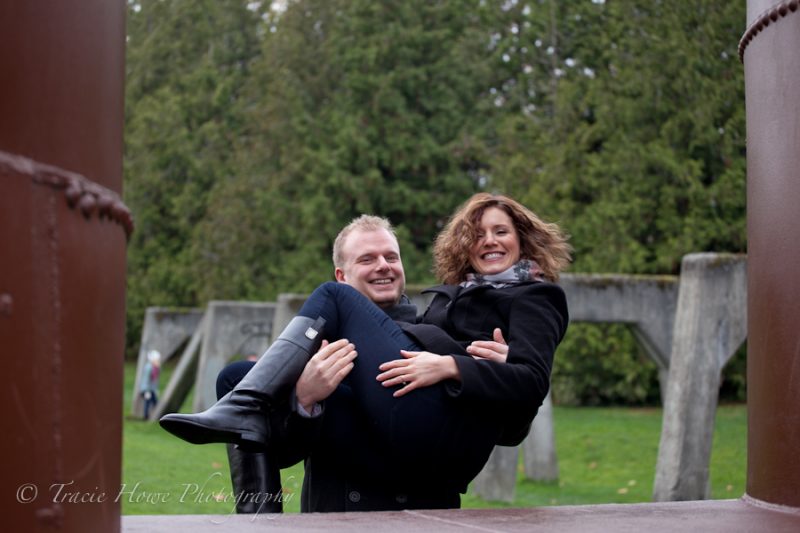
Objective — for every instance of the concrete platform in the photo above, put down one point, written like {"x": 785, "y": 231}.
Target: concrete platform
{"x": 723, "y": 516}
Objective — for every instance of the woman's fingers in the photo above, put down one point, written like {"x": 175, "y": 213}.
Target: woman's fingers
{"x": 494, "y": 351}
{"x": 497, "y": 335}
{"x": 409, "y": 372}
{"x": 390, "y": 375}
{"x": 397, "y": 363}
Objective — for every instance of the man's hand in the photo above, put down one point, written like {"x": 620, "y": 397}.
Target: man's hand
{"x": 496, "y": 350}
{"x": 324, "y": 371}
{"x": 417, "y": 369}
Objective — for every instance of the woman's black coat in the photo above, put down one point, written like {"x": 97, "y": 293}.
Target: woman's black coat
{"x": 532, "y": 317}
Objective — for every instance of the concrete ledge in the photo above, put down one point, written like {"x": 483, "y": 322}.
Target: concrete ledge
{"x": 723, "y": 516}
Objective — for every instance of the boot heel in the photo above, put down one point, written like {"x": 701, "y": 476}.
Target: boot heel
{"x": 251, "y": 437}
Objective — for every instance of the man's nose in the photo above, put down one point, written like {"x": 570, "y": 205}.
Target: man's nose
{"x": 383, "y": 264}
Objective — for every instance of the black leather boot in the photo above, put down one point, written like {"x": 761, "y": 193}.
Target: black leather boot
{"x": 256, "y": 481}
{"x": 240, "y": 417}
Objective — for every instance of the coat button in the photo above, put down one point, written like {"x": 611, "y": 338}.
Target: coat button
{"x": 401, "y": 498}
{"x": 354, "y": 496}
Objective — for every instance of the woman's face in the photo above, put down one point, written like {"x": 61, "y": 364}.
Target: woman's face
{"x": 497, "y": 247}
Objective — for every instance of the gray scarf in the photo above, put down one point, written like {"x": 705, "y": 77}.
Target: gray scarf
{"x": 522, "y": 270}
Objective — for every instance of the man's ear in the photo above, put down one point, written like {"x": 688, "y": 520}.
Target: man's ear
{"x": 338, "y": 273}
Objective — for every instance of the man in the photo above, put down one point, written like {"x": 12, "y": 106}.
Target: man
{"x": 324, "y": 424}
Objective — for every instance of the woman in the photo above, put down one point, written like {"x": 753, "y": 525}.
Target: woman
{"x": 501, "y": 253}
{"x": 494, "y": 258}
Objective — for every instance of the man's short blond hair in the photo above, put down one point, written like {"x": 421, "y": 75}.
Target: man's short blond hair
{"x": 363, "y": 223}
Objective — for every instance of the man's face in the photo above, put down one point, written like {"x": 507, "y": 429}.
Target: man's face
{"x": 372, "y": 266}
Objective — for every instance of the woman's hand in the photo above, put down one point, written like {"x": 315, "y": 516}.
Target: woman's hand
{"x": 496, "y": 350}
{"x": 417, "y": 369}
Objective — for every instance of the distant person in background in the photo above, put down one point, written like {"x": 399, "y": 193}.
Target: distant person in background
{"x": 148, "y": 385}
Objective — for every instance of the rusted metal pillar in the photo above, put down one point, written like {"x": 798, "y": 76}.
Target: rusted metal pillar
{"x": 769, "y": 50}
{"x": 63, "y": 231}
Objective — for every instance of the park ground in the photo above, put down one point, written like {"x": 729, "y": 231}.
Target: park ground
{"x": 605, "y": 455}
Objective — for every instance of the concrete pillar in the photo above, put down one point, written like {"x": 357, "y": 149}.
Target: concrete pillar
{"x": 63, "y": 232}
{"x": 539, "y": 448}
{"x": 710, "y": 324}
{"x": 287, "y": 307}
{"x": 231, "y": 328}
{"x": 498, "y": 479}
{"x": 769, "y": 49}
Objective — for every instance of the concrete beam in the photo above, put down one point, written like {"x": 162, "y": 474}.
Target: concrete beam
{"x": 646, "y": 303}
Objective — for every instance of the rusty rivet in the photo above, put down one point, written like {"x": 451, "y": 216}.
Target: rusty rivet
{"x": 6, "y": 304}
{"x": 104, "y": 205}
{"x": 117, "y": 210}
{"x": 793, "y": 6}
{"x": 782, "y": 9}
{"x": 73, "y": 193}
{"x": 773, "y": 14}
{"x": 87, "y": 204}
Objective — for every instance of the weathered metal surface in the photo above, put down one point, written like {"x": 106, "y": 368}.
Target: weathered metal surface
{"x": 772, "y": 84}
{"x": 63, "y": 230}
{"x": 720, "y": 516}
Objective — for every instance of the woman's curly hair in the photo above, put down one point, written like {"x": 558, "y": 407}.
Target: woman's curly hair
{"x": 543, "y": 242}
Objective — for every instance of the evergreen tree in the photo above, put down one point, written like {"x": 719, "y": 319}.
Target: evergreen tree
{"x": 357, "y": 106}
{"x": 186, "y": 63}
{"x": 640, "y": 152}
{"x": 627, "y": 127}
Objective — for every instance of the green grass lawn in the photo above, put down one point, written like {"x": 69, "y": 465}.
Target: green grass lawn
{"x": 605, "y": 455}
